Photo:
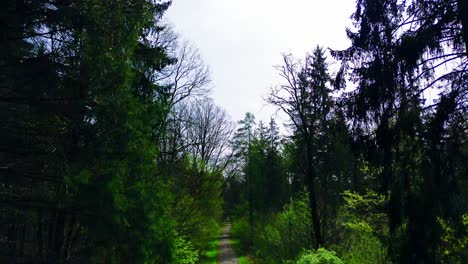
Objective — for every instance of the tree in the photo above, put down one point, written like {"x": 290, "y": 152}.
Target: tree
{"x": 188, "y": 76}
{"x": 186, "y": 79}
{"x": 397, "y": 54}
{"x": 305, "y": 99}
{"x": 79, "y": 75}
{"x": 242, "y": 141}
{"x": 276, "y": 182}
{"x": 210, "y": 131}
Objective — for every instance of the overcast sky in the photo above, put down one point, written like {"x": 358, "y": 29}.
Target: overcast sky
{"x": 241, "y": 41}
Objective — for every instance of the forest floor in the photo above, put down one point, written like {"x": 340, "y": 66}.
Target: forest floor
{"x": 227, "y": 254}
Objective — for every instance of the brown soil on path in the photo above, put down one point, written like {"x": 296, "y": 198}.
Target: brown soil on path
{"x": 226, "y": 253}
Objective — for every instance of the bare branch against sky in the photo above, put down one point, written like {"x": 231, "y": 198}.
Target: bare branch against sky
{"x": 242, "y": 40}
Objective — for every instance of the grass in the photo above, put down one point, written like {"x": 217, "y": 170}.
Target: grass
{"x": 210, "y": 255}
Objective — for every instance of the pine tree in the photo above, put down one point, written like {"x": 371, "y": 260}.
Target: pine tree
{"x": 395, "y": 52}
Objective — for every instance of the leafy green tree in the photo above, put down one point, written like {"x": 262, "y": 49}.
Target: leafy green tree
{"x": 363, "y": 228}
{"x": 286, "y": 234}
{"x": 321, "y": 256}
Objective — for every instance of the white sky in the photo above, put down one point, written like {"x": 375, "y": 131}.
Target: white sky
{"x": 241, "y": 40}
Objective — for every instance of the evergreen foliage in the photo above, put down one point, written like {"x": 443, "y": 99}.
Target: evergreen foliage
{"x": 83, "y": 121}
{"x": 111, "y": 150}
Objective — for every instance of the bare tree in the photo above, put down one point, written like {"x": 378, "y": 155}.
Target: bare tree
{"x": 201, "y": 129}
{"x": 199, "y": 133}
{"x": 304, "y": 98}
{"x": 167, "y": 38}
{"x": 173, "y": 145}
{"x": 189, "y": 76}
{"x": 210, "y": 131}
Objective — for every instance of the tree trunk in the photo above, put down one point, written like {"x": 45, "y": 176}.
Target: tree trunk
{"x": 355, "y": 176}
{"x": 310, "y": 182}
{"x": 250, "y": 190}
{"x": 40, "y": 243}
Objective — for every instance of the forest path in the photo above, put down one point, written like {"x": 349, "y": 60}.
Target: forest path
{"x": 226, "y": 252}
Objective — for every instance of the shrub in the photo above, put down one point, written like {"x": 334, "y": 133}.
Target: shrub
{"x": 361, "y": 223}
{"x": 240, "y": 229}
{"x": 321, "y": 256}
{"x": 286, "y": 235}
{"x": 184, "y": 252}
{"x": 454, "y": 247}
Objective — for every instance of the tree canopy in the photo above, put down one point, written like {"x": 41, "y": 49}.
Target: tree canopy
{"x": 113, "y": 151}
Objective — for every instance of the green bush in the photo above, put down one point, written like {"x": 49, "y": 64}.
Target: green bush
{"x": 321, "y": 256}
{"x": 240, "y": 229}
{"x": 184, "y": 252}
{"x": 454, "y": 247}
{"x": 361, "y": 222}
{"x": 362, "y": 246}
{"x": 287, "y": 233}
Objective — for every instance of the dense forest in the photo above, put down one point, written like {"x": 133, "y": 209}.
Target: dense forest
{"x": 111, "y": 150}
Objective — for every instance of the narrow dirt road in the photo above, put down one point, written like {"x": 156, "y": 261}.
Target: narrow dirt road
{"x": 226, "y": 253}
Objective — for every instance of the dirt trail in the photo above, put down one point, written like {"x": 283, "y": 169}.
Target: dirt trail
{"x": 226, "y": 253}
